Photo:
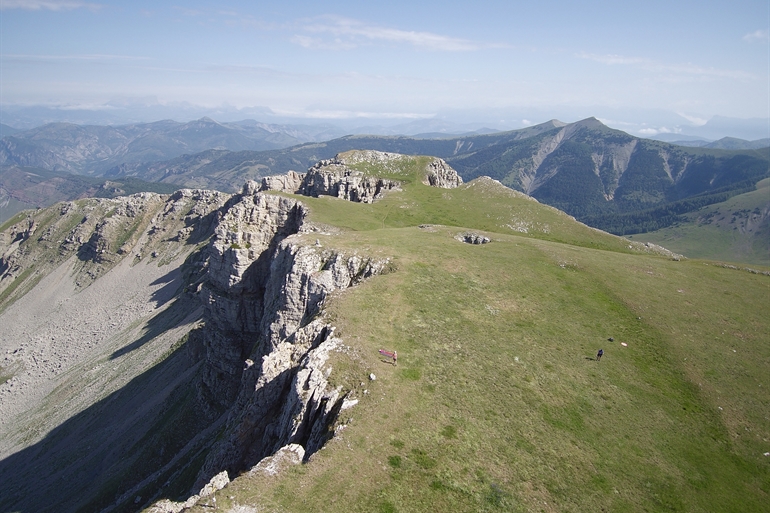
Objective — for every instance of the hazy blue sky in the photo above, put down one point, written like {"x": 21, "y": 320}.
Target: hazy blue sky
{"x": 397, "y": 58}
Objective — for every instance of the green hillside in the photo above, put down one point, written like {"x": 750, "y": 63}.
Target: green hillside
{"x": 735, "y": 230}
{"x": 25, "y": 187}
{"x": 604, "y": 177}
{"x": 497, "y": 403}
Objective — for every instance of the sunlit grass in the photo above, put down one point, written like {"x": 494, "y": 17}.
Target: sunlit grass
{"x": 497, "y": 403}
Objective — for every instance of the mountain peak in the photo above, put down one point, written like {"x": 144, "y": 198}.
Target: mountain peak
{"x": 591, "y": 122}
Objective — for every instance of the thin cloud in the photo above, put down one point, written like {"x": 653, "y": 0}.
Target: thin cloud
{"x": 188, "y": 12}
{"x": 611, "y": 59}
{"x": 318, "y": 43}
{"x": 333, "y": 32}
{"x": 352, "y": 114}
{"x": 50, "y": 5}
{"x": 695, "y": 120}
{"x": 83, "y": 57}
{"x": 260, "y": 71}
{"x": 757, "y": 35}
{"x": 651, "y": 65}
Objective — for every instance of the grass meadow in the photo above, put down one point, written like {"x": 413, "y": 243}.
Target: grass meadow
{"x": 736, "y": 230}
{"x": 497, "y": 402}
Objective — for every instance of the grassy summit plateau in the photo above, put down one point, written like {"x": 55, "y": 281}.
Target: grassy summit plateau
{"x": 497, "y": 403}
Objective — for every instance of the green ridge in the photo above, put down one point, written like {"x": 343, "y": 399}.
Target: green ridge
{"x": 497, "y": 404}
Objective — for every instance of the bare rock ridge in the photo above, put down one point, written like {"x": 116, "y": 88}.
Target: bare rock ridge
{"x": 341, "y": 177}
{"x": 265, "y": 286}
{"x": 256, "y": 358}
{"x": 264, "y": 289}
{"x": 440, "y": 174}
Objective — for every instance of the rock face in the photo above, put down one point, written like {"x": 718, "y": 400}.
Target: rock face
{"x": 264, "y": 287}
{"x": 333, "y": 178}
{"x": 291, "y": 454}
{"x": 440, "y": 174}
{"x": 254, "y": 281}
{"x": 290, "y": 182}
{"x": 339, "y": 177}
{"x": 238, "y": 267}
{"x": 217, "y": 482}
{"x": 472, "y": 238}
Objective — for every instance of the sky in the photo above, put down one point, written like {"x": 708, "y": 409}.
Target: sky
{"x": 648, "y": 65}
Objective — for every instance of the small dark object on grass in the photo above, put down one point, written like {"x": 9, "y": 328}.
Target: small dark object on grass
{"x": 388, "y": 354}
{"x": 611, "y": 339}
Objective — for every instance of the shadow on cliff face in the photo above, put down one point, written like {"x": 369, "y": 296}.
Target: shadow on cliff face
{"x": 152, "y": 438}
{"x": 89, "y": 461}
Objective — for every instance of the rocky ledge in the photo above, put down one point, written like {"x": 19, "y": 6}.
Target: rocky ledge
{"x": 255, "y": 280}
{"x": 263, "y": 286}
{"x": 339, "y": 177}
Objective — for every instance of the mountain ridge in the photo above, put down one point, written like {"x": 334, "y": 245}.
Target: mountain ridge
{"x": 603, "y": 176}
{"x": 219, "y": 350}
{"x": 92, "y": 149}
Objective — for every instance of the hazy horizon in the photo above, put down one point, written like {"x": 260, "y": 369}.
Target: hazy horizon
{"x": 647, "y": 69}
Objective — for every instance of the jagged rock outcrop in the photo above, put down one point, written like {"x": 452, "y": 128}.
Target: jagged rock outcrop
{"x": 335, "y": 177}
{"x": 287, "y": 455}
{"x": 216, "y": 483}
{"x": 264, "y": 284}
{"x": 238, "y": 267}
{"x": 284, "y": 397}
{"x": 102, "y": 232}
{"x": 290, "y": 182}
{"x": 440, "y": 174}
{"x": 263, "y": 288}
{"x": 472, "y": 238}
{"x": 339, "y": 177}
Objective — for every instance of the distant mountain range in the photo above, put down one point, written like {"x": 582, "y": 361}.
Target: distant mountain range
{"x": 7, "y": 130}
{"x": 24, "y": 188}
{"x": 725, "y": 143}
{"x": 93, "y": 149}
{"x": 604, "y": 177}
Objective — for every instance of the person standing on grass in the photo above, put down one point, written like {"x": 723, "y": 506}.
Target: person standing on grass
{"x": 395, "y": 357}
{"x": 599, "y": 354}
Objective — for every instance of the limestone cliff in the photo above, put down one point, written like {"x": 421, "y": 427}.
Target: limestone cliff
{"x": 440, "y": 174}
{"x": 240, "y": 322}
{"x": 264, "y": 287}
{"x": 344, "y": 176}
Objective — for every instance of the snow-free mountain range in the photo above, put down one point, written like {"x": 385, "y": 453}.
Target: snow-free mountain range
{"x": 604, "y": 177}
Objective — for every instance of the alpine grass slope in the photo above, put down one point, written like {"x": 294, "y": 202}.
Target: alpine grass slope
{"x": 496, "y": 404}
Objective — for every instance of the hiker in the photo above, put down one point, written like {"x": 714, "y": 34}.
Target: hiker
{"x": 599, "y": 354}
{"x": 395, "y": 358}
